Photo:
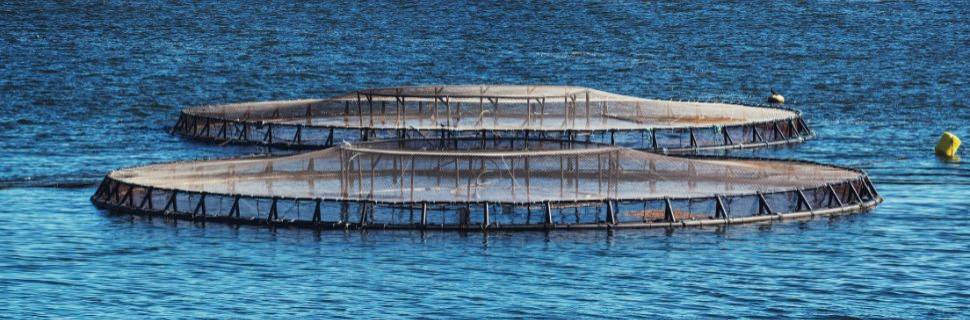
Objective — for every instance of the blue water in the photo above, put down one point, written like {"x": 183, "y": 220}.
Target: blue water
{"x": 89, "y": 87}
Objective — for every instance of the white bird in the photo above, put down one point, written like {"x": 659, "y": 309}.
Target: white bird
{"x": 776, "y": 97}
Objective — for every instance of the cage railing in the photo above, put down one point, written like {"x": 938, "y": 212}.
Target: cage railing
{"x": 583, "y": 115}
{"x": 826, "y": 199}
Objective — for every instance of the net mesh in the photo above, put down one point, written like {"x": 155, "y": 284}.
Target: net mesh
{"x": 498, "y": 182}
{"x": 570, "y": 113}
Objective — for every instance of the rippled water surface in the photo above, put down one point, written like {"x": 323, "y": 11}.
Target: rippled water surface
{"x": 89, "y": 87}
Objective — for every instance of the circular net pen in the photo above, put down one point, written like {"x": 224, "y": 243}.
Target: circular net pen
{"x": 487, "y": 184}
{"x": 504, "y": 112}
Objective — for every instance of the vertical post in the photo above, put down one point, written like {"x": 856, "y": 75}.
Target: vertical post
{"x": 720, "y": 212}
{"x": 599, "y": 173}
{"x": 803, "y": 201}
{"x": 855, "y": 192}
{"x": 244, "y": 133}
{"x": 272, "y": 211}
{"x": 542, "y": 110}
{"x": 223, "y": 130}
{"x": 195, "y": 125}
{"x": 360, "y": 111}
{"x": 398, "y": 109}
{"x": 147, "y": 200}
{"x": 486, "y": 220}
{"x": 200, "y": 207}
{"x": 757, "y": 135}
{"x": 447, "y": 110}
{"x": 424, "y": 215}
{"x": 610, "y": 212}
{"x": 793, "y": 130}
{"x": 669, "y": 211}
{"x": 269, "y": 134}
{"x": 411, "y": 191}
{"x": 548, "y": 221}
{"x": 801, "y": 123}
{"x": 727, "y": 136}
{"x": 834, "y": 196}
{"x": 693, "y": 139}
{"x": 113, "y": 192}
{"x": 316, "y": 211}
{"x": 481, "y": 109}
{"x": 528, "y": 179}
{"x": 205, "y": 129}
{"x": 872, "y": 188}
{"x": 778, "y": 131}
{"x": 763, "y": 207}
{"x": 234, "y": 210}
{"x": 528, "y": 112}
{"x": 370, "y": 109}
{"x": 346, "y": 112}
{"x": 172, "y": 202}
{"x": 383, "y": 112}
{"x": 587, "y": 109}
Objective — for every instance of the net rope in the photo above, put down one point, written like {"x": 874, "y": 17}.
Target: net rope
{"x": 483, "y": 170}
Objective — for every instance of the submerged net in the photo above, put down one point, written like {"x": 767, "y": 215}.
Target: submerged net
{"x": 522, "y": 112}
{"x": 490, "y": 183}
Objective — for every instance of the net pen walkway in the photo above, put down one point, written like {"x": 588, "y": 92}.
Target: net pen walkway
{"x": 487, "y": 184}
{"x": 496, "y": 112}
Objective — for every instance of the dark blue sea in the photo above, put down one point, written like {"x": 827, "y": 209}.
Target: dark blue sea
{"x": 88, "y": 87}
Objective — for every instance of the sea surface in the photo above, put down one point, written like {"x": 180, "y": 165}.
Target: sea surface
{"x": 88, "y": 87}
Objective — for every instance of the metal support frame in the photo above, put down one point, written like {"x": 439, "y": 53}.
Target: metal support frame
{"x": 693, "y": 139}
{"x": 486, "y": 219}
{"x": 803, "y": 202}
{"x": 834, "y": 196}
{"x": 273, "y": 215}
{"x": 778, "y": 131}
{"x": 172, "y": 202}
{"x": 763, "y": 207}
{"x": 316, "y": 209}
{"x": 727, "y": 136}
{"x": 200, "y": 207}
{"x": 720, "y": 211}
{"x": 548, "y": 220}
{"x": 234, "y": 210}
{"x": 424, "y": 214}
{"x": 147, "y": 200}
{"x": 610, "y": 213}
{"x": 855, "y": 192}
{"x": 669, "y": 211}
{"x": 757, "y": 135}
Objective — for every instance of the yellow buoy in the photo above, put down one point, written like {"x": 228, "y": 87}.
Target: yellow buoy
{"x": 948, "y": 145}
{"x": 776, "y": 97}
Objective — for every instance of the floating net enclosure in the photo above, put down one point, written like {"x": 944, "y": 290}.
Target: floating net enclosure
{"x": 489, "y": 184}
{"x": 519, "y": 112}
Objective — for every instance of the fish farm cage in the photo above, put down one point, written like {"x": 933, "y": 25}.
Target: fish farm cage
{"x": 503, "y": 112}
{"x": 486, "y": 184}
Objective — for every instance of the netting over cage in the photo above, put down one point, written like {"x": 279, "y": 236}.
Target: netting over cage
{"x": 473, "y": 111}
{"x": 492, "y": 184}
